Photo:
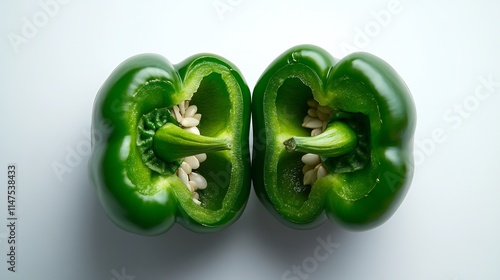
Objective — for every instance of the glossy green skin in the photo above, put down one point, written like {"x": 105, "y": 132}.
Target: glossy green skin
{"x": 359, "y": 83}
{"x": 142, "y": 201}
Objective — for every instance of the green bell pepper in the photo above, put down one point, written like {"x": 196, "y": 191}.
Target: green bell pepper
{"x": 332, "y": 138}
{"x": 175, "y": 144}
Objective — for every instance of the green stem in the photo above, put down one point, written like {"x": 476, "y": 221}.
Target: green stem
{"x": 338, "y": 139}
{"x": 171, "y": 143}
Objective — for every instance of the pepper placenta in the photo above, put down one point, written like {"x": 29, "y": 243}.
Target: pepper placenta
{"x": 332, "y": 138}
{"x": 173, "y": 144}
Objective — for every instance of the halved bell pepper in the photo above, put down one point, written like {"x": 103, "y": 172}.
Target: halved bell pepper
{"x": 332, "y": 137}
{"x": 173, "y": 144}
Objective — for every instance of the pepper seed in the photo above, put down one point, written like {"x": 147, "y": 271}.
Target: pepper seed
{"x": 186, "y": 167}
{"x": 193, "y": 161}
{"x": 187, "y": 117}
{"x": 183, "y": 176}
{"x": 190, "y": 111}
{"x": 316, "y": 123}
{"x": 199, "y": 180}
{"x": 317, "y": 119}
{"x": 201, "y": 157}
{"x": 311, "y": 159}
{"x": 193, "y": 130}
{"x": 189, "y": 122}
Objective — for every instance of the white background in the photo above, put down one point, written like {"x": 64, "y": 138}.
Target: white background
{"x": 446, "y": 229}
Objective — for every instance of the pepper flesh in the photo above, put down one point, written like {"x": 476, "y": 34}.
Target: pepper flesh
{"x": 133, "y": 170}
{"x": 368, "y": 175}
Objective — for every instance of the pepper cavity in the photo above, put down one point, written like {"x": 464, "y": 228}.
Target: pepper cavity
{"x": 316, "y": 119}
{"x": 189, "y": 119}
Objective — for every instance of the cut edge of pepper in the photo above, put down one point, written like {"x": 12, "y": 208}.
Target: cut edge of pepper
{"x": 194, "y": 79}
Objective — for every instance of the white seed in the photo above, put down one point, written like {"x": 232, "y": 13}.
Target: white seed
{"x": 193, "y": 161}
{"x": 312, "y": 112}
{"x": 183, "y": 176}
{"x": 323, "y": 116}
{"x": 196, "y": 196}
{"x": 192, "y": 129}
{"x": 190, "y": 111}
{"x": 196, "y": 201}
{"x": 189, "y": 122}
{"x": 192, "y": 186}
{"x": 316, "y": 123}
{"x": 310, "y": 177}
{"x": 312, "y": 103}
{"x": 186, "y": 115}
{"x": 316, "y": 131}
{"x": 177, "y": 114}
{"x": 316, "y": 119}
{"x": 199, "y": 180}
{"x": 321, "y": 171}
{"x": 186, "y": 167}
{"x": 308, "y": 119}
{"x": 307, "y": 167}
{"x": 182, "y": 107}
{"x": 311, "y": 159}
{"x": 325, "y": 109}
{"x": 201, "y": 157}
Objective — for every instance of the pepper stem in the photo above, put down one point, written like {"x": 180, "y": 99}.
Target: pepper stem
{"x": 171, "y": 143}
{"x": 337, "y": 139}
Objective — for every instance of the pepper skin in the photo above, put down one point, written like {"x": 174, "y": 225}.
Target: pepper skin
{"x": 366, "y": 148}
{"x": 133, "y": 164}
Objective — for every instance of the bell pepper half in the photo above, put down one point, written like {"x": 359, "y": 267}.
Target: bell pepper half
{"x": 332, "y": 137}
{"x": 173, "y": 144}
